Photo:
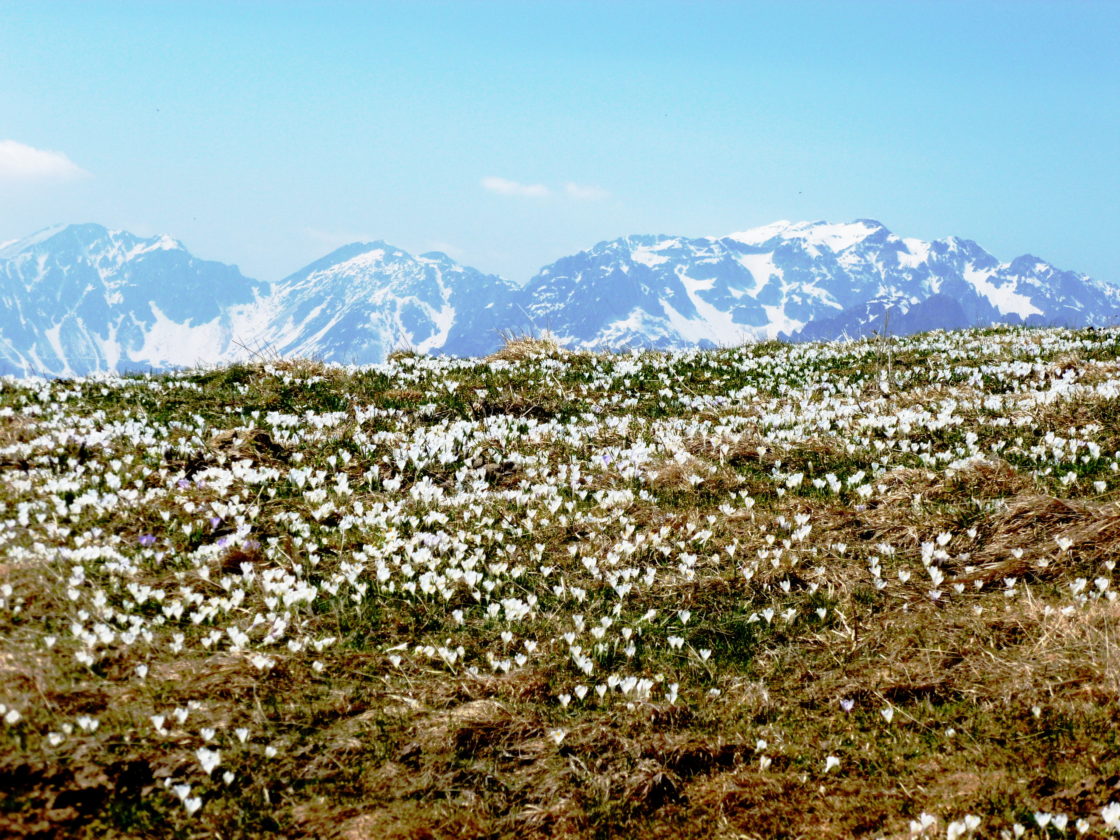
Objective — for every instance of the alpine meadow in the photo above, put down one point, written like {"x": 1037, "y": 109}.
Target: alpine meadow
{"x": 777, "y": 590}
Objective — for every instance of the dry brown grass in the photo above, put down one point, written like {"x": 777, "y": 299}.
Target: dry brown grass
{"x": 1074, "y": 656}
{"x": 253, "y": 444}
{"x": 1024, "y": 538}
{"x": 694, "y": 475}
{"x": 521, "y": 348}
{"x": 307, "y": 368}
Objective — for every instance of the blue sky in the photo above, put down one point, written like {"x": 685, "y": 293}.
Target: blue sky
{"x": 510, "y": 134}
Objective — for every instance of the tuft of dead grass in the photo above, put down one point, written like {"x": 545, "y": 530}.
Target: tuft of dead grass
{"x": 520, "y": 348}
{"x": 250, "y": 443}
{"x": 1027, "y": 536}
{"x": 693, "y": 475}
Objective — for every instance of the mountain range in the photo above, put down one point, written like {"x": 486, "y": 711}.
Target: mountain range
{"x": 80, "y": 299}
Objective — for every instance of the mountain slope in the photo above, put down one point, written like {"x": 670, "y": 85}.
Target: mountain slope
{"x": 364, "y": 300}
{"x": 953, "y": 282}
{"x": 81, "y": 299}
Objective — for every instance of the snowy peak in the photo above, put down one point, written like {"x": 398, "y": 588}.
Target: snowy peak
{"x": 78, "y": 299}
{"x": 797, "y": 280}
{"x": 89, "y": 239}
{"x": 364, "y": 300}
{"x": 359, "y": 261}
{"x": 833, "y": 237}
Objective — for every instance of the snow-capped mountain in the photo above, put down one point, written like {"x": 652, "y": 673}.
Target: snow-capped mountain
{"x": 364, "y": 300}
{"x": 78, "y": 299}
{"x": 81, "y": 298}
{"x": 952, "y": 283}
{"x": 804, "y": 281}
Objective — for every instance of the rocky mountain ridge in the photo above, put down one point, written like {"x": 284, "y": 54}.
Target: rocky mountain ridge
{"x": 81, "y": 299}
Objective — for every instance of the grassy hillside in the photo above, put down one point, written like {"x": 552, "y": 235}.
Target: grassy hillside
{"x": 834, "y": 590}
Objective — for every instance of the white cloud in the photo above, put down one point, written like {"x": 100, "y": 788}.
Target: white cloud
{"x": 577, "y": 192}
{"x": 504, "y": 186}
{"x": 585, "y": 192}
{"x": 21, "y": 162}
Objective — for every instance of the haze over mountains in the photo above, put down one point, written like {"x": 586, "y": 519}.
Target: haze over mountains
{"x": 79, "y": 299}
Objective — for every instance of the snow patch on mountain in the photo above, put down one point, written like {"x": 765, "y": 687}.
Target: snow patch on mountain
{"x": 914, "y": 254}
{"x": 648, "y": 256}
{"x": 761, "y": 268}
{"x": 834, "y": 237}
{"x": 1004, "y": 298}
{"x": 761, "y": 235}
{"x": 779, "y": 323}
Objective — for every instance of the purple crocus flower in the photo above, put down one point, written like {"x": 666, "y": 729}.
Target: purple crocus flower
{"x": 147, "y": 540}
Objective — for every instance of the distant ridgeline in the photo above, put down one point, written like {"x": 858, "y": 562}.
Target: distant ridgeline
{"x": 80, "y": 299}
